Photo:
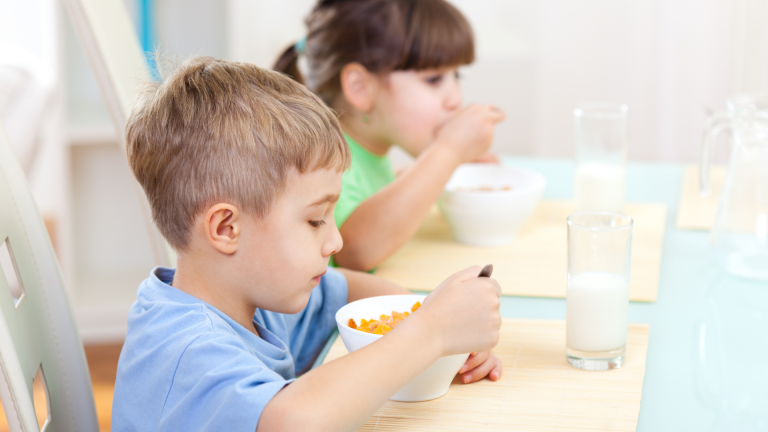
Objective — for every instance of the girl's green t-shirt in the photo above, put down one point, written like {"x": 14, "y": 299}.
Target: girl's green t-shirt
{"x": 368, "y": 174}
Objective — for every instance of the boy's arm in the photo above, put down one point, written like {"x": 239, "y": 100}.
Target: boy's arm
{"x": 342, "y": 394}
{"x": 459, "y": 316}
{"x": 384, "y": 222}
{"x": 363, "y": 285}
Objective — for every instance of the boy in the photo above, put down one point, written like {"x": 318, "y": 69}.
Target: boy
{"x": 242, "y": 168}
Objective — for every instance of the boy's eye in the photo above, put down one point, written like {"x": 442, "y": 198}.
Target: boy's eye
{"x": 317, "y": 223}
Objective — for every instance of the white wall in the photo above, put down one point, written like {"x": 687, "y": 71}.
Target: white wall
{"x": 671, "y": 61}
{"x": 749, "y": 56}
{"x": 33, "y": 26}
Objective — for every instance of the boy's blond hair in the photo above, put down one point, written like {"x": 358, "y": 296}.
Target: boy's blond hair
{"x": 218, "y": 131}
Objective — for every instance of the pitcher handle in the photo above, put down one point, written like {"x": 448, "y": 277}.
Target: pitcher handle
{"x": 716, "y": 124}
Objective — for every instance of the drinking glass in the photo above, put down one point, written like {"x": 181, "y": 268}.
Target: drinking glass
{"x": 601, "y": 132}
{"x": 599, "y": 251}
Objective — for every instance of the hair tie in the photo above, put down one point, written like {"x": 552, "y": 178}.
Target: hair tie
{"x": 301, "y": 45}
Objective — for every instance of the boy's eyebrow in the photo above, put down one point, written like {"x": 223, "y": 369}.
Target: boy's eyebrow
{"x": 330, "y": 198}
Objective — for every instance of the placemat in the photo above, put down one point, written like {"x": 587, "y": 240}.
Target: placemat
{"x": 693, "y": 211}
{"x": 538, "y": 390}
{"x": 536, "y": 263}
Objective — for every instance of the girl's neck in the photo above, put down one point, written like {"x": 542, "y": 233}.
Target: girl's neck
{"x": 363, "y": 133}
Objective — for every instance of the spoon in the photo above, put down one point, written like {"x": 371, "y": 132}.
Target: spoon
{"x": 486, "y": 271}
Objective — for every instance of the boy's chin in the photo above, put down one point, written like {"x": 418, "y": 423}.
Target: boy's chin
{"x": 297, "y": 306}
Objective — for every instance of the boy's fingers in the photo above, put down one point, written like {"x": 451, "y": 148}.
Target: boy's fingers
{"x": 496, "y": 287}
{"x": 495, "y": 373}
{"x": 461, "y": 276}
{"x": 494, "y": 284}
{"x": 466, "y": 274}
{"x": 474, "y": 360}
{"x": 479, "y": 372}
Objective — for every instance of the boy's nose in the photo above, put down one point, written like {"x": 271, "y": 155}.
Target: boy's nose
{"x": 334, "y": 243}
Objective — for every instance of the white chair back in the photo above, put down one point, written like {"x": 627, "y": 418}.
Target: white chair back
{"x": 110, "y": 43}
{"x": 37, "y": 331}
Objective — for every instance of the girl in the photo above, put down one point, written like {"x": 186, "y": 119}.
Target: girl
{"x": 389, "y": 67}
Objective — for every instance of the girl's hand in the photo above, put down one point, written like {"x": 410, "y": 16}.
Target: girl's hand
{"x": 488, "y": 158}
{"x": 469, "y": 134}
{"x": 479, "y": 365}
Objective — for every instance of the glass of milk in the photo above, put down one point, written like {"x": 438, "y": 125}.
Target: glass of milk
{"x": 599, "y": 246}
{"x": 601, "y": 133}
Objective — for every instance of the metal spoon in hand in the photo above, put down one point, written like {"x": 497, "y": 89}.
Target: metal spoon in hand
{"x": 486, "y": 271}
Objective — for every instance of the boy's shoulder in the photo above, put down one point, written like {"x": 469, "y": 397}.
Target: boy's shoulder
{"x": 161, "y": 311}
{"x": 164, "y": 317}
{"x": 182, "y": 363}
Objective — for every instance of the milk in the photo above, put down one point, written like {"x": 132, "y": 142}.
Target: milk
{"x": 599, "y": 187}
{"x": 596, "y": 312}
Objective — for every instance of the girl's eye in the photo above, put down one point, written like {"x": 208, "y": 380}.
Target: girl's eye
{"x": 434, "y": 80}
{"x": 317, "y": 223}
{"x": 457, "y": 75}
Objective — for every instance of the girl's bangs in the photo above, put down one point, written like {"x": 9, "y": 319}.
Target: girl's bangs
{"x": 438, "y": 36}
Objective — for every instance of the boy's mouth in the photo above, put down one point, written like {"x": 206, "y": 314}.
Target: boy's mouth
{"x": 316, "y": 279}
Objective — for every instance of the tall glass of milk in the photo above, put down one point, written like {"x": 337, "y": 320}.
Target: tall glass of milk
{"x": 601, "y": 133}
{"x": 597, "y": 299}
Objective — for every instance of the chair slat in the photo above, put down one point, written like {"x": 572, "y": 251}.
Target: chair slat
{"x": 41, "y": 330}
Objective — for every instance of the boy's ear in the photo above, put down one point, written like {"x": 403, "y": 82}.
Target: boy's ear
{"x": 359, "y": 86}
{"x": 222, "y": 227}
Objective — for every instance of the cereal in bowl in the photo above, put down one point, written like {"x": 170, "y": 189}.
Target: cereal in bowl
{"x": 384, "y": 324}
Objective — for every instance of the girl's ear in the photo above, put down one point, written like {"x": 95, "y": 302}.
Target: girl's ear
{"x": 359, "y": 86}
{"x": 222, "y": 226}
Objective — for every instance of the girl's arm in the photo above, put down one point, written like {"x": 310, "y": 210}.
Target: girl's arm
{"x": 383, "y": 223}
{"x": 363, "y": 285}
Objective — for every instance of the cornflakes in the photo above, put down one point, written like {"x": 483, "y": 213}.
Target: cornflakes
{"x": 384, "y": 324}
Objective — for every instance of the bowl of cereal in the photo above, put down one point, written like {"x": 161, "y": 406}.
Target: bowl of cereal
{"x": 487, "y": 204}
{"x": 365, "y": 321}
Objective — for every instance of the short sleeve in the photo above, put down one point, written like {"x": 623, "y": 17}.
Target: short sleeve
{"x": 219, "y": 385}
{"x": 353, "y": 193}
{"x": 367, "y": 174}
{"x": 311, "y": 328}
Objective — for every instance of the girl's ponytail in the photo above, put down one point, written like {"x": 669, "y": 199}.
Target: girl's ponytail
{"x": 288, "y": 64}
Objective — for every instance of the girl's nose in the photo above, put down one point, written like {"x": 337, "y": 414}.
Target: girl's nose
{"x": 453, "y": 98}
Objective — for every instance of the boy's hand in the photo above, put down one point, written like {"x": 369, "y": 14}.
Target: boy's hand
{"x": 463, "y": 313}
{"x": 469, "y": 134}
{"x": 479, "y": 365}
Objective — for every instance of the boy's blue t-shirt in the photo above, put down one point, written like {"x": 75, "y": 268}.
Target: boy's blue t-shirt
{"x": 187, "y": 366}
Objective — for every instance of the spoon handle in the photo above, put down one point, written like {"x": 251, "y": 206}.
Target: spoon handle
{"x": 486, "y": 271}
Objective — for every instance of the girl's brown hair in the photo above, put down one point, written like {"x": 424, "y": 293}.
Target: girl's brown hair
{"x": 381, "y": 35}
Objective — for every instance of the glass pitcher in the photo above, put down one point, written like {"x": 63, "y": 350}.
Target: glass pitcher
{"x": 740, "y": 233}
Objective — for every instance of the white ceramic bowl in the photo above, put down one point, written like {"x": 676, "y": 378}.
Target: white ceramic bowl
{"x": 430, "y": 384}
{"x": 490, "y": 218}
